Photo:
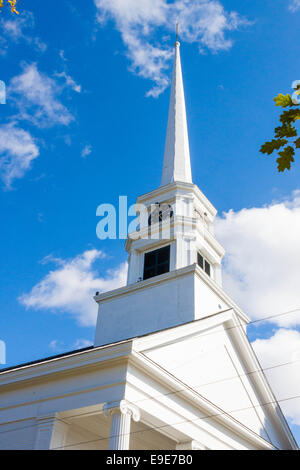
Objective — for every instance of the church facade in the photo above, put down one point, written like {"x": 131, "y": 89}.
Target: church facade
{"x": 171, "y": 366}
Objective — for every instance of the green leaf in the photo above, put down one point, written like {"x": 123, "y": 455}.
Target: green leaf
{"x": 286, "y": 130}
{"x": 297, "y": 143}
{"x": 283, "y": 100}
{"x": 286, "y": 158}
{"x": 287, "y": 117}
{"x": 269, "y": 147}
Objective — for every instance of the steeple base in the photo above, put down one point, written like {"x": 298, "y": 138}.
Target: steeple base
{"x": 158, "y": 303}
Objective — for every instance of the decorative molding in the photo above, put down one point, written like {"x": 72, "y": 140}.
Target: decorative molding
{"x": 177, "y": 186}
{"x": 123, "y": 407}
{"x": 121, "y": 414}
{"x": 145, "y": 283}
{"x": 192, "y": 397}
{"x": 191, "y": 269}
{"x": 99, "y": 355}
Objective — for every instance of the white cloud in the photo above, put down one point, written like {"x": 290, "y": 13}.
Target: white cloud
{"x": 17, "y": 151}
{"x": 59, "y": 346}
{"x": 39, "y": 45}
{"x": 143, "y": 25}
{"x": 82, "y": 343}
{"x": 294, "y": 5}
{"x": 262, "y": 264}
{"x": 62, "y": 55}
{"x": 282, "y": 348}
{"x": 12, "y": 29}
{"x": 69, "y": 81}
{"x": 206, "y": 22}
{"x": 56, "y": 345}
{"x": 87, "y": 150}
{"x": 71, "y": 285}
{"x": 2, "y": 92}
{"x": 36, "y": 96}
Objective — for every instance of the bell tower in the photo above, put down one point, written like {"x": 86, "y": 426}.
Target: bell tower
{"x": 174, "y": 260}
{"x": 177, "y": 215}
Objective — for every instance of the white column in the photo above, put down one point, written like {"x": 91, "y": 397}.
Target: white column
{"x": 190, "y": 445}
{"x": 121, "y": 414}
{"x": 51, "y": 433}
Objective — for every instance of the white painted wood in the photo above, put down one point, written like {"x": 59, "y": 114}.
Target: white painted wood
{"x": 51, "y": 433}
{"x": 45, "y": 427}
{"x": 165, "y": 301}
{"x": 171, "y": 355}
{"x": 121, "y": 416}
{"x": 79, "y": 387}
{"x": 59, "y": 435}
{"x": 17, "y": 434}
{"x": 120, "y": 431}
{"x": 177, "y": 166}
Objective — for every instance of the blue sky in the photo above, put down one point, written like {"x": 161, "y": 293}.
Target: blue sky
{"x": 85, "y": 122}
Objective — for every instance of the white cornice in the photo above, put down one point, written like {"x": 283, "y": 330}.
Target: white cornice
{"x": 148, "y": 367}
{"x": 249, "y": 357}
{"x": 145, "y": 283}
{"x": 232, "y": 324}
{"x": 193, "y": 268}
{"x": 189, "y": 395}
{"x": 180, "y": 332}
{"x": 174, "y": 229}
{"x": 105, "y": 355}
{"x": 123, "y": 352}
{"x": 221, "y": 293}
{"x": 178, "y": 187}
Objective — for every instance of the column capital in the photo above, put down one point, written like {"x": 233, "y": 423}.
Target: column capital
{"x": 123, "y": 407}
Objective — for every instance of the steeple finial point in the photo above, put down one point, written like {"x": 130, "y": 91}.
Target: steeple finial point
{"x": 177, "y": 165}
{"x": 177, "y": 43}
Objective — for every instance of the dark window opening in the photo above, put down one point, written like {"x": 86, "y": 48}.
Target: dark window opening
{"x": 200, "y": 261}
{"x": 207, "y": 268}
{"x": 204, "y": 264}
{"x": 157, "y": 262}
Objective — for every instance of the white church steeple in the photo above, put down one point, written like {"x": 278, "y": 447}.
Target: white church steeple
{"x": 174, "y": 260}
{"x": 177, "y": 217}
{"x": 177, "y": 164}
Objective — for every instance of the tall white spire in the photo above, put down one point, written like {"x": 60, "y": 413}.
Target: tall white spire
{"x": 177, "y": 163}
